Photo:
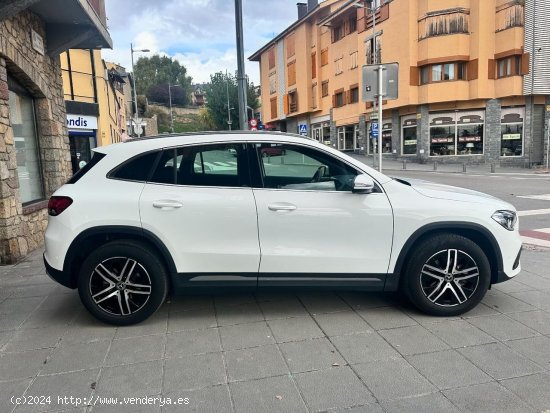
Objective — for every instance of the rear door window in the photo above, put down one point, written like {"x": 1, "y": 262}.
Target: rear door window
{"x": 136, "y": 169}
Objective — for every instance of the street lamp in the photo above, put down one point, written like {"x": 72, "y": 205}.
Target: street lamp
{"x": 373, "y": 10}
{"x": 137, "y": 122}
{"x": 170, "y": 99}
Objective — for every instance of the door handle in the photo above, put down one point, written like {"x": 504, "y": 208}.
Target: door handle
{"x": 282, "y": 207}
{"x": 167, "y": 204}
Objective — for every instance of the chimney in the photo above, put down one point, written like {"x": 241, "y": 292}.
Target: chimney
{"x": 311, "y": 4}
{"x": 302, "y": 10}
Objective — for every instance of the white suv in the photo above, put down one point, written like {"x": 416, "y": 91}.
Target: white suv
{"x": 263, "y": 210}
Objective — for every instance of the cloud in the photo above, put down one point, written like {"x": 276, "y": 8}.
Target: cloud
{"x": 199, "y": 33}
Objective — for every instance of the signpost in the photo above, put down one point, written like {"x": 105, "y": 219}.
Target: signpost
{"x": 302, "y": 130}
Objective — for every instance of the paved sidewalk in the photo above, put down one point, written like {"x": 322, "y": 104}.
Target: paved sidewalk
{"x": 285, "y": 352}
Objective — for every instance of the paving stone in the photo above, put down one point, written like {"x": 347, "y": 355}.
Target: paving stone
{"x": 22, "y": 365}
{"x": 72, "y": 357}
{"x": 129, "y": 408}
{"x": 157, "y": 324}
{"x": 76, "y": 384}
{"x": 459, "y": 333}
{"x": 502, "y": 327}
{"x": 499, "y": 361}
{"x": 511, "y": 286}
{"x": 532, "y": 389}
{"x": 133, "y": 380}
{"x": 448, "y": 369}
{"x": 294, "y": 329}
{"x": 393, "y": 379}
{"x": 386, "y": 317}
{"x": 193, "y": 319}
{"x": 364, "y": 300}
{"x": 308, "y": 355}
{"x": 186, "y": 343}
{"x": 55, "y": 310}
{"x": 87, "y": 329}
{"x": 194, "y": 372}
{"x": 363, "y": 347}
{"x": 487, "y": 398}
{"x": 413, "y": 340}
{"x": 535, "y": 348}
{"x": 35, "y": 338}
{"x": 135, "y": 350}
{"x": 321, "y": 303}
{"x": 14, "y": 311}
{"x": 288, "y": 308}
{"x": 429, "y": 403}
{"x": 535, "y": 281}
{"x": 367, "y": 408}
{"x": 539, "y": 299}
{"x": 537, "y": 320}
{"x": 206, "y": 400}
{"x": 9, "y": 389}
{"x": 189, "y": 302}
{"x": 341, "y": 323}
{"x": 273, "y": 394}
{"x": 239, "y": 314}
{"x": 223, "y": 301}
{"x": 246, "y": 335}
{"x": 480, "y": 310}
{"x": 334, "y": 388}
{"x": 40, "y": 290}
{"x": 505, "y": 303}
{"x": 5, "y": 336}
{"x": 255, "y": 363}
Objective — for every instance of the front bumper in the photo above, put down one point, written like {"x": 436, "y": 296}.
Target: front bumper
{"x": 61, "y": 277}
{"x": 516, "y": 268}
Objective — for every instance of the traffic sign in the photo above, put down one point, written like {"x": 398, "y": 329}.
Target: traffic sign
{"x": 302, "y": 130}
{"x": 253, "y": 123}
{"x": 374, "y": 130}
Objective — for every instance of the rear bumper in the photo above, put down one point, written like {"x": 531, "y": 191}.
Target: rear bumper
{"x": 61, "y": 277}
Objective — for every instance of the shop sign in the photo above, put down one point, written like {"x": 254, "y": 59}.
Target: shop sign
{"x": 443, "y": 140}
{"x": 81, "y": 122}
{"x": 37, "y": 42}
{"x": 511, "y": 136}
{"x": 409, "y": 142}
{"x": 469, "y": 139}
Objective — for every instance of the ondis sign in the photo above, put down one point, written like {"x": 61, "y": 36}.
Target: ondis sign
{"x": 81, "y": 122}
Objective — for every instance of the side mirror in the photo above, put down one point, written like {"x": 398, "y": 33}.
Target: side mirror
{"x": 363, "y": 184}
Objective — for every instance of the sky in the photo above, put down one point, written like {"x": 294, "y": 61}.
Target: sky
{"x": 200, "y": 34}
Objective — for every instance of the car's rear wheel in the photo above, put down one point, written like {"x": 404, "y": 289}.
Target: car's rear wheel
{"x": 122, "y": 283}
{"x": 447, "y": 275}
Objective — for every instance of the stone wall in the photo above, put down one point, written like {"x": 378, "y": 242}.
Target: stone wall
{"x": 22, "y": 228}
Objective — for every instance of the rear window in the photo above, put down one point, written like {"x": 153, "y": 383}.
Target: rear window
{"x": 136, "y": 169}
{"x": 96, "y": 157}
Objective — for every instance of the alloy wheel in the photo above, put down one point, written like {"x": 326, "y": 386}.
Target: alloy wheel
{"x": 449, "y": 278}
{"x": 120, "y": 286}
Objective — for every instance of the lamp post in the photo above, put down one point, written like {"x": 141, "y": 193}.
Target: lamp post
{"x": 170, "y": 99}
{"x": 137, "y": 123}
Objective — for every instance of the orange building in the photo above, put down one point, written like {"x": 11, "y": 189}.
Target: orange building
{"x": 474, "y": 78}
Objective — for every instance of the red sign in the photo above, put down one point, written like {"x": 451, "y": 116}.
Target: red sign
{"x": 253, "y": 123}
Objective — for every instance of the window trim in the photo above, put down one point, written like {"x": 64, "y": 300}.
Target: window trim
{"x": 515, "y": 68}
{"x": 456, "y": 69}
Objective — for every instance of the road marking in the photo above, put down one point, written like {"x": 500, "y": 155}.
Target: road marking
{"x": 542, "y": 197}
{"x": 538, "y": 237}
{"x": 532, "y": 212}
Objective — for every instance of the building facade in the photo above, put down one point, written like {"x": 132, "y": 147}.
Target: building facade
{"x": 34, "y": 147}
{"x": 95, "y": 102}
{"x": 474, "y": 78}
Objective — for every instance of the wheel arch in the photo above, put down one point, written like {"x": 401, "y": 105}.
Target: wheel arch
{"x": 90, "y": 239}
{"x": 472, "y": 231}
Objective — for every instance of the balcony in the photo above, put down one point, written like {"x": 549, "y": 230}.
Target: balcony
{"x": 510, "y": 15}
{"x": 444, "y": 22}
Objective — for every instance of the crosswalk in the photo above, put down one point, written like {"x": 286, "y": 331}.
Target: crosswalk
{"x": 537, "y": 237}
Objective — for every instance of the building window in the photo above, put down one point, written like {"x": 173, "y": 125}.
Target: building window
{"x": 511, "y": 143}
{"x": 442, "y": 72}
{"x": 324, "y": 88}
{"x": 337, "y": 33}
{"x": 27, "y": 152}
{"x": 354, "y": 95}
{"x": 353, "y": 60}
{"x": 339, "y": 99}
{"x": 352, "y": 25}
{"x": 273, "y": 83}
{"x": 290, "y": 46}
{"x": 370, "y": 50}
{"x": 409, "y": 136}
{"x": 271, "y": 58}
{"x": 509, "y": 66}
{"x": 339, "y": 64}
{"x": 324, "y": 57}
{"x": 292, "y": 102}
{"x": 273, "y": 103}
{"x": 456, "y": 134}
{"x": 386, "y": 136}
{"x": 314, "y": 65}
{"x": 292, "y": 73}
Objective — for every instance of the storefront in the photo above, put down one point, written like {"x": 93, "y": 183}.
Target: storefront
{"x": 512, "y": 142}
{"x": 320, "y": 129}
{"x": 457, "y": 133}
{"x": 82, "y": 139}
{"x": 409, "y": 140}
{"x": 348, "y": 138}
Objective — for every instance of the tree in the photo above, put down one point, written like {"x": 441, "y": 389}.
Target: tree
{"x": 154, "y": 73}
{"x": 217, "y": 96}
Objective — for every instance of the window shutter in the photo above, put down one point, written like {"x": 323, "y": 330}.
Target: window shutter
{"x": 333, "y": 101}
{"x": 313, "y": 65}
{"x": 473, "y": 69}
{"x": 348, "y": 96}
{"x": 285, "y": 103}
{"x": 492, "y": 69}
{"x": 415, "y": 76}
{"x": 525, "y": 59}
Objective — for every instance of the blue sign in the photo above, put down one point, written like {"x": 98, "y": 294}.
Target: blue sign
{"x": 302, "y": 130}
{"x": 374, "y": 130}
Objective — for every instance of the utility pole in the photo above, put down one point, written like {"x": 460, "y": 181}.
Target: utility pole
{"x": 228, "y": 104}
{"x": 136, "y": 119}
{"x": 170, "y": 100}
{"x": 241, "y": 78}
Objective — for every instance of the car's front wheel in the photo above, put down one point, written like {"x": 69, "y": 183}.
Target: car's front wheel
{"x": 447, "y": 275}
{"x": 122, "y": 283}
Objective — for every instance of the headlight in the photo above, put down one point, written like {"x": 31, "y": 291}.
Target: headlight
{"x": 507, "y": 219}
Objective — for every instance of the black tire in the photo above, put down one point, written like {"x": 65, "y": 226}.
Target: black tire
{"x": 121, "y": 304}
{"x": 456, "y": 292}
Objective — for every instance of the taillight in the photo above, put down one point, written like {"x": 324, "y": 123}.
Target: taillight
{"x": 58, "y": 204}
